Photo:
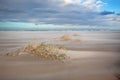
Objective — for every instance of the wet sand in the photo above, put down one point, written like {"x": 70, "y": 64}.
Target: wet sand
{"x": 91, "y": 57}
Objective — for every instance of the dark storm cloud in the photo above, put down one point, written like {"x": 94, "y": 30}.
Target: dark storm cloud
{"x": 9, "y": 11}
{"x": 107, "y": 12}
{"x": 55, "y": 12}
{"x": 118, "y": 14}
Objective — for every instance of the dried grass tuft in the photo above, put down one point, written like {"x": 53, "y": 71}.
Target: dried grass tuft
{"x": 44, "y": 51}
{"x": 65, "y": 38}
{"x": 75, "y": 34}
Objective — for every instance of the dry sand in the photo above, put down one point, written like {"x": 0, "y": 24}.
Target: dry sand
{"x": 90, "y": 59}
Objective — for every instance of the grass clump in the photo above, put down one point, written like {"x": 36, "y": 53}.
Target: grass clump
{"x": 65, "y": 38}
{"x": 46, "y": 51}
{"x": 75, "y": 34}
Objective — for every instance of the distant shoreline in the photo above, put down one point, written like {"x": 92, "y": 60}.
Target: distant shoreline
{"x": 61, "y": 30}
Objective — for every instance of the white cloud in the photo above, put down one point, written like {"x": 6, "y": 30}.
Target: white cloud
{"x": 89, "y": 4}
{"x": 72, "y": 1}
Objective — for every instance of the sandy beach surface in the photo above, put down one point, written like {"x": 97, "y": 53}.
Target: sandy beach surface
{"x": 92, "y": 55}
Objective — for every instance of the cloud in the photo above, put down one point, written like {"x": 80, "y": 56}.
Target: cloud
{"x": 118, "y": 14}
{"x": 60, "y": 12}
{"x": 10, "y": 10}
{"x": 107, "y": 12}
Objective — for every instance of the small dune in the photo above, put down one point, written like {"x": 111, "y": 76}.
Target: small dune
{"x": 76, "y": 34}
{"x": 42, "y": 50}
{"x": 67, "y": 37}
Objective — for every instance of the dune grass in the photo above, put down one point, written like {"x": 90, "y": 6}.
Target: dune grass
{"x": 65, "y": 37}
{"x": 75, "y": 34}
{"x": 44, "y": 51}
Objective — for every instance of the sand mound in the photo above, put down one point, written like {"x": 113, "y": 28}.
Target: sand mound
{"x": 42, "y": 50}
{"x": 76, "y": 34}
{"x": 67, "y": 37}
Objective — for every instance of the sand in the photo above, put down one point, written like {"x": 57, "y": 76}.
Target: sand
{"x": 91, "y": 58}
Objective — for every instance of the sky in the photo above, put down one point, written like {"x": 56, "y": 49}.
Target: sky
{"x": 59, "y": 14}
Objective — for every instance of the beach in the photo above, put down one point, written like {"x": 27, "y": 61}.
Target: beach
{"x": 92, "y": 55}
